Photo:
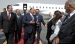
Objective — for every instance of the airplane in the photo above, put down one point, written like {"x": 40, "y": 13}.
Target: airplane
{"x": 44, "y": 8}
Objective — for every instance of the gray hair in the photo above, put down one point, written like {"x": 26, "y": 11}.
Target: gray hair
{"x": 72, "y": 3}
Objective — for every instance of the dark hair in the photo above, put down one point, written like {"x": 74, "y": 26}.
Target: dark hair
{"x": 58, "y": 16}
{"x": 4, "y": 8}
{"x": 16, "y": 10}
{"x": 8, "y": 6}
{"x": 31, "y": 8}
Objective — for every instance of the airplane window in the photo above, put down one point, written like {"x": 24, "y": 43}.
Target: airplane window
{"x": 40, "y": 6}
{"x": 49, "y": 7}
{"x": 33, "y": 6}
{"x": 16, "y": 5}
{"x": 43, "y": 6}
{"x": 29, "y": 6}
{"x": 59, "y": 7}
{"x": 36, "y": 6}
{"x": 56, "y": 7}
{"x": 52, "y": 7}
{"x": 46, "y": 7}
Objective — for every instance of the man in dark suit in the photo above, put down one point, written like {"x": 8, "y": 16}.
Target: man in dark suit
{"x": 25, "y": 12}
{"x": 4, "y": 9}
{"x": 28, "y": 21}
{"x": 67, "y": 30}
{"x": 8, "y": 23}
{"x": 18, "y": 26}
{"x": 39, "y": 20}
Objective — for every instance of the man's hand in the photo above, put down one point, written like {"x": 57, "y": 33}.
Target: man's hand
{"x": 50, "y": 40}
{"x": 37, "y": 22}
{"x": 45, "y": 25}
{"x": 57, "y": 41}
{"x": 32, "y": 22}
{"x": 1, "y": 30}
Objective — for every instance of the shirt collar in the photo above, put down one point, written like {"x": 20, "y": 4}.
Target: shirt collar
{"x": 30, "y": 14}
{"x": 72, "y": 13}
{"x": 7, "y": 12}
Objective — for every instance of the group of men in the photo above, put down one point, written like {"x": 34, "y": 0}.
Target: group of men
{"x": 11, "y": 23}
{"x": 32, "y": 25}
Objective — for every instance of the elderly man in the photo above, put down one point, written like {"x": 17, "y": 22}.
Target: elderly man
{"x": 67, "y": 30}
{"x": 28, "y": 21}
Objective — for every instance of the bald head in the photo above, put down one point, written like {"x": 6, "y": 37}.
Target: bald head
{"x": 32, "y": 10}
{"x": 4, "y": 9}
{"x": 72, "y": 3}
{"x": 70, "y": 6}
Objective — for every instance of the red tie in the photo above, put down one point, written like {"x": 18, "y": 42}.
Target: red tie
{"x": 9, "y": 16}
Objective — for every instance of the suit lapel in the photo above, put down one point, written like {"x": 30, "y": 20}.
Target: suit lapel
{"x": 30, "y": 16}
{"x": 69, "y": 19}
{"x": 20, "y": 17}
{"x": 6, "y": 16}
{"x": 11, "y": 16}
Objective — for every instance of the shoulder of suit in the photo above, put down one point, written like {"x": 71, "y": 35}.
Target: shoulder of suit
{"x": 2, "y": 13}
{"x": 13, "y": 13}
{"x": 27, "y": 14}
{"x": 40, "y": 15}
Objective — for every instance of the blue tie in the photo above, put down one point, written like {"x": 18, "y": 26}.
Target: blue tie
{"x": 37, "y": 18}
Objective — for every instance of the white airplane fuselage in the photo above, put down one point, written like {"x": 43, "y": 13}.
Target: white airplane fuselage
{"x": 44, "y": 8}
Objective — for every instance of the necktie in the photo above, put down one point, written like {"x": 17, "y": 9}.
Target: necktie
{"x": 67, "y": 18}
{"x": 9, "y": 16}
{"x": 37, "y": 18}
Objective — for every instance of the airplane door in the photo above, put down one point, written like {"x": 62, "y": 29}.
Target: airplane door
{"x": 24, "y": 7}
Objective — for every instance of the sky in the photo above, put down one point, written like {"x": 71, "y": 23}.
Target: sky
{"x": 4, "y": 3}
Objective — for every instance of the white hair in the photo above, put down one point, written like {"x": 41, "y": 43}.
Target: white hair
{"x": 72, "y": 3}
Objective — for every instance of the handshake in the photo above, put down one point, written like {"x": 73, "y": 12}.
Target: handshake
{"x": 1, "y": 30}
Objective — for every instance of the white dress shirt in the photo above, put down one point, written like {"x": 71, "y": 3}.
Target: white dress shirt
{"x": 18, "y": 16}
{"x": 8, "y": 13}
{"x": 32, "y": 16}
{"x": 73, "y": 12}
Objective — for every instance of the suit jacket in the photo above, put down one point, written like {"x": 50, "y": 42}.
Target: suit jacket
{"x": 67, "y": 30}
{"x": 28, "y": 28}
{"x": 49, "y": 30}
{"x": 5, "y": 24}
{"x": 19, "y": 22}
{"x": 40, "y": 20}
